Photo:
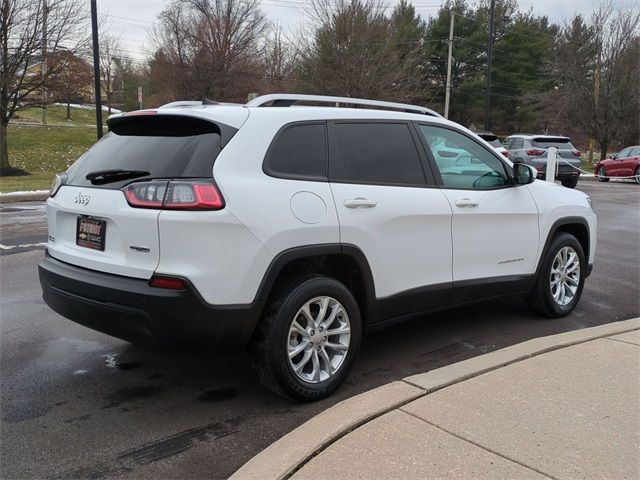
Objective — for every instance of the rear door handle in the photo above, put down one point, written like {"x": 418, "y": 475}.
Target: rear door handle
{"x": 360, "y": 203}
{"x": 466, "y": 203}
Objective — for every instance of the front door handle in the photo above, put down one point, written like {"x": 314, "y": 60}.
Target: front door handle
{"x": 466, "y": 203}
{"x": 360, "y": 203}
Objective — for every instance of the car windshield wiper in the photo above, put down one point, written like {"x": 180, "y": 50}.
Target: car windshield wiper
{"x": 100, "y": 177}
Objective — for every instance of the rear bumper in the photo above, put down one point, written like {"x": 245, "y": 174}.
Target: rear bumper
{"x": 130, "y": 309}
{"x": 563, "y": 171}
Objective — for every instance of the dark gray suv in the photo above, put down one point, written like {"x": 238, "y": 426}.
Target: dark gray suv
{"x": 532, "y": 150}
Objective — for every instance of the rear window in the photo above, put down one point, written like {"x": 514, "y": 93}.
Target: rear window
{"x": 559, "y": 143}
{"x": 491, "y": 139}
{"x": 165, "y": 146}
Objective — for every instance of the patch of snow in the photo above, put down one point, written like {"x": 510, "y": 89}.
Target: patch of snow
{"x": 89, "y": 107}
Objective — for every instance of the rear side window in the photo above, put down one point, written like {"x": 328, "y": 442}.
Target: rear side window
{"x": 379, "y": 153}
{"x": 559, "y": 143}
{"x": 299, "y": 151}
{"x": 165, "y": 146}
{"x": 491, "y": 140}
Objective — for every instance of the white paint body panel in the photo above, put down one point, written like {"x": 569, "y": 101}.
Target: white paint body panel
{"x": 406, "y": 237}
{"x": 125, "y": 226}
{"x": 498, "y": 237}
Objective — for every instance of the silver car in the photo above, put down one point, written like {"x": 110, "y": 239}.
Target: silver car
{"x": 532, "y": 150}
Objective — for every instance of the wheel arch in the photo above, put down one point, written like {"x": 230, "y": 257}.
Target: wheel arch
{"x": 576, "y": 226}
{"x": 344, "y": 262}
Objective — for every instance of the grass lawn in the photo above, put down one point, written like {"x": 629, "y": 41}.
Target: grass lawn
{"x": 43, "y": 151}
{"x": 57, "y": 115}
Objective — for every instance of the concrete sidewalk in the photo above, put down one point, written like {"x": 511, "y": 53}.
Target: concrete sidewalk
{"x": 565, "y": 406}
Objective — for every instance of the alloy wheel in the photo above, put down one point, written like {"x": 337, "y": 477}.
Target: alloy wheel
{"x": 565, "y": 275}
{"x": 319, "y": 339}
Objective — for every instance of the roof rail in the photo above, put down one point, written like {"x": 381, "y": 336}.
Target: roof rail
{"x": 287, "y": 100}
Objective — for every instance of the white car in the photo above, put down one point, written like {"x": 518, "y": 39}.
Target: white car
{"x": 293, "y": 229}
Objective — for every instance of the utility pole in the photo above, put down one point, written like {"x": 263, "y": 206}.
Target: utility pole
{"x": 96, "y": 67}
{"x": 449, "y": 61}
{"x": 596, "y": 94}
{"x": 487, "y": 106}
{"x": 43, "y": 64}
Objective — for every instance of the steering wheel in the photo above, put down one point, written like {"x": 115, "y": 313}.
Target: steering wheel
{"x": 478, "y": 181}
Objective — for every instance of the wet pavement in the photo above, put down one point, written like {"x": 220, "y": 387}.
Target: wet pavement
{"x": 76, "y": 403}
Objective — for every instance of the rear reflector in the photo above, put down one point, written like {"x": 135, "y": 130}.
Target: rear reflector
{"x": 174, "y": 195}
{"x": 169, "y": 283}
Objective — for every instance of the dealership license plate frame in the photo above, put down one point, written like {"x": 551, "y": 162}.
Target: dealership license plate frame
{"x": 89, "y": 237}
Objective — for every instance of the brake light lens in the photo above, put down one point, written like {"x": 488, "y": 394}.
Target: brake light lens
{"x": 169, "y": 283}
{"x": 577, "y": 153}
{"x": 174, "y": 195}
{"x": 535, "y": 151}
{"x": 505, "y": 153}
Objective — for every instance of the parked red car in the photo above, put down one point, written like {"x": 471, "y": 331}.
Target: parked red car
{"x": 625, "y": 163}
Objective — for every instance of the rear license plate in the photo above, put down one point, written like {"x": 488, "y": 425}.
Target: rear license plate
{"x": 90, "y": 233}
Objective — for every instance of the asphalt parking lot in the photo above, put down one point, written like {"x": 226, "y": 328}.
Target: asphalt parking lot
{"x": 76, "y": 403}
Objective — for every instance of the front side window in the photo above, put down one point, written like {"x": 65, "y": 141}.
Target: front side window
{"x": 462, "y": 162}
{"x": 299, "y": 151}
{"x": 379, "y": 153}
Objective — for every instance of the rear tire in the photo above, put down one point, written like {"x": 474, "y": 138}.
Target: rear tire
{"x": 298, "y": 319}
{"x": 560, "y": 279}
{"x": 570, "y": 182}
{"x": 601, "y": 175}
{"x": 637, "y": 175}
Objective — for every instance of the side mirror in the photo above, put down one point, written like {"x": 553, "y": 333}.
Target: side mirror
{"x": 612, "y": 156}
{"x": 524, "y": 174}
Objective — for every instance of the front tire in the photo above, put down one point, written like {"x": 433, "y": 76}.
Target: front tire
{"x": 560, "y": 279}
{"x": 307, "y": 341}
{"x": 637, "y": 175}
{"x": 602, "y": 175}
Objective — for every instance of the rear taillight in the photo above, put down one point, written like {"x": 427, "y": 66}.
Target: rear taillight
{"x": 59, "y": 180}
{"x": 577, "y": 153}
{"x": 170, "y": 283}
{"x": 535, "y": 152}
{"x": 505, "y": 153}
{"x": 174, "y": 195}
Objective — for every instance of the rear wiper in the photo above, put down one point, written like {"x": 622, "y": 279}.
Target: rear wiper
{"x": 101, "y": 177}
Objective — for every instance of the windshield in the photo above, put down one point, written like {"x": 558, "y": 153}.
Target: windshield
{"x": 149, "y": 147}
{"x": 559, "y": 143}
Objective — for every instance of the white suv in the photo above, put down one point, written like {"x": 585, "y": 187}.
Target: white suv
{"x": 293, "y": 229}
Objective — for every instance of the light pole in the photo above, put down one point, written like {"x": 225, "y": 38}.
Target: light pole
{"x": 96, "y": 67}
{"x": 491, "y": 39}
{"x": 487, "y": 100}
{"x": 449, "y": 61}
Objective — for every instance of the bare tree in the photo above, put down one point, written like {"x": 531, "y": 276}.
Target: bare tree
{"x": 22, "y": 42}
{"x": 598, "y": 69}
{"x": 71, "y": 80}
{"x": 352, "y": 51}
{"x": 212, "y": 46}
{"x": 110, "y": 55}
{"x": 277, "y": 62}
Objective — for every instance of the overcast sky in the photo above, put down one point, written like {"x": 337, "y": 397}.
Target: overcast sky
{"x": 132, "y": 19}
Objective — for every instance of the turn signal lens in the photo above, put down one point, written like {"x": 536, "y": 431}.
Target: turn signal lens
{"x": 535, "y": 151}
{"x": 169, "y": 283}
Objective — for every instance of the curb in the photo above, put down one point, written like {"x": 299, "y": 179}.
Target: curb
{"x": 287, "y": 455}
{"x": 32, "y": 196}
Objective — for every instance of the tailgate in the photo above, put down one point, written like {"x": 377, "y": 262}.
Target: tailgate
{"x": 130, "y": 236}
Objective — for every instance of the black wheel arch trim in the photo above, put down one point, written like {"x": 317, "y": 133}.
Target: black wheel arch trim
{"x": 554, "y": 229}
{"x": 296, "y": 253}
